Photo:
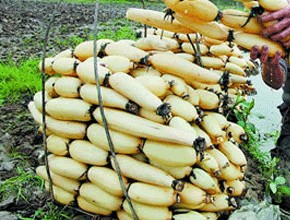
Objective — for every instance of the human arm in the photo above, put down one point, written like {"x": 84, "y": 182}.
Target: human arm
{"x": 274, "y": 69}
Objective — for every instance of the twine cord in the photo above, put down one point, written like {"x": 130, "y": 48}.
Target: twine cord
{"x": 197, "y": 54}
{"x": 145, "y": 26}
{"x": 44, "y": 136}
{"x": 101, "y": 107}
{"x": 198, "y": 50}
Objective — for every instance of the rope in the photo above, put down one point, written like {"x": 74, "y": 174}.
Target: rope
{"x": 197, "y": 54}
{"x": 198, "y": 50}
{"x": 44, "y": 136}
{"x": 101, "y": 107}
{"x": 145, "y": 26}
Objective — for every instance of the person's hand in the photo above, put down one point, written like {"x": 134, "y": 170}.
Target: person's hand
{"x": 280, "y": 30}
{"x": 272, "y": 73}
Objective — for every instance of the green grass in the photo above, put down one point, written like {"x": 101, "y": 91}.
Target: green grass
{"x": 116, "y": 30}
{"x": 18, "y": 79}
{"x": 132, "y": 1}
{"x": 222, "y": 4}
{"x": 20, "y": 185}
{"x": 69, "y": 42}
{"x": 14, "y": 154}
{"x": 267, "y": 165}
{"x": 26, "y": 78}
{"x": 51, "y": 212}
{"x": 124, "y": 32}
{"x": 102, "y": 1}
{"x": 242, "y": 113}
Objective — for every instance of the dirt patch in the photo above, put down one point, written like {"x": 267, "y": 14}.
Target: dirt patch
{"x": 23, "y": 24}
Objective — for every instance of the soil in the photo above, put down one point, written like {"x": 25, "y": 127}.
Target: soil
{"x": 22, "y": 26}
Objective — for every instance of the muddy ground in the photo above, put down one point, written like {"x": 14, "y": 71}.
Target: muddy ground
{"x": 22, "y": 26}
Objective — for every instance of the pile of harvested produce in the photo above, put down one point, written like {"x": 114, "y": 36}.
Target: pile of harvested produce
{"x": 139, "y": 131}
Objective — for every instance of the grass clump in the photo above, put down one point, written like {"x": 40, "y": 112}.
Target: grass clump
{"x": 275, "y": 183}
{"x": 118, "y": 29}
{"x": 122, "y": 33}
{"x": 101, "y": 1}
{"x": 16, "y": 155}
{"x": 224, "y": 4}
{"x": 70, "y": 42}
{"x": 18, "y": 79}
{"x": 20, "y": 185}
{"x": 51, "y": 212}
{"x": 115, "y": 30}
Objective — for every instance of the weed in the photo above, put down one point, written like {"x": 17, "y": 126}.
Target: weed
{"x": 118, "y": 29}
{"x": 80, "y": 1}
{"x": 70, "y": 41}
{"x": 20, "y": 185}
{"x": 220, "y": 3}
{"x": 223, "y": 4}
{"x": 16, "y": 155}
{"x": 132, "y": 1}
{"x": 278, "y": 181}
{"x": 274, "y": 183}
{"x": 282, "y": 190}
{"x": 18, "y": 79}
{"x": 122, "y": 30}
{"x": 51, "y": 212}
{"x": 101, "y": 1}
